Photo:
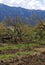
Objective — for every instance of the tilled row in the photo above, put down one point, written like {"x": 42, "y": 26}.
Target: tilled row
{"x": 25, "y": 60}
{"x": 13, "y": 51}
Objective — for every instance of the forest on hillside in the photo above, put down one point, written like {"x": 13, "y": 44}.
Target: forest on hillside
{"x": 15, "y": 31}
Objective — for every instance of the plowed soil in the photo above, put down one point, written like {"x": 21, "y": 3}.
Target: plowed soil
{"x": 37, "y": 58}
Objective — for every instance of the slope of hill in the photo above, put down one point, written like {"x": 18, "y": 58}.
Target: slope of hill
{"x": 18, "y": 11}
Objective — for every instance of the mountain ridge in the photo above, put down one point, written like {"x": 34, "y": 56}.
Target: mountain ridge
{"x": 18, "y": 11}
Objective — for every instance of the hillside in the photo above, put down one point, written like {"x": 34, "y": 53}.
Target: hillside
{"x": 7, "y": 11}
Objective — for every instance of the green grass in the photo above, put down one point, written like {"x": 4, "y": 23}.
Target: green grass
{"x": 7, "y": 56}
{"x": 25, "y": 53}
{"x": 7, "y": 48}
{"x": 18, "y": 46}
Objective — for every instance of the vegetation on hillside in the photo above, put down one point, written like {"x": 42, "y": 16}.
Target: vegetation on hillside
{"x": 21, "y": 43}
{"x": 15, "y": 31}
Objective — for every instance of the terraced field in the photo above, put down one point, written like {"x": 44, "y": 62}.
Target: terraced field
{"x": 22, "y": 54}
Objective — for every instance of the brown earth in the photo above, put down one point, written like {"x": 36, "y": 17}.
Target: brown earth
{"x": 25, "y": 60}
{"x": 37, "y": 58}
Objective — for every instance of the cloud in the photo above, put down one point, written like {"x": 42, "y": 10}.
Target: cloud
{"x": 28, "y": 4}
{"x": 0, "y": 0}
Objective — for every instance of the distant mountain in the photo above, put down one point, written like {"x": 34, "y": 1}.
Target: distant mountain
{"x": 18, "y": 11}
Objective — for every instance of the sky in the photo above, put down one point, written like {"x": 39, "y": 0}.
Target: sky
{"x": 28, "y": 4}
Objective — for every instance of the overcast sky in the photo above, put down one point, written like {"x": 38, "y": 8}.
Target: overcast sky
{"x": 28, "y": 4}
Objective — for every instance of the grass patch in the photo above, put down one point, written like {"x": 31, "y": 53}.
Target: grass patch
{"x": 18, "y": 46}
{"x": 7, "y": 48}
{"x": 7, "y": 56}
{"x": 26, "y": 45}
{"x": 25, "y": 53}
